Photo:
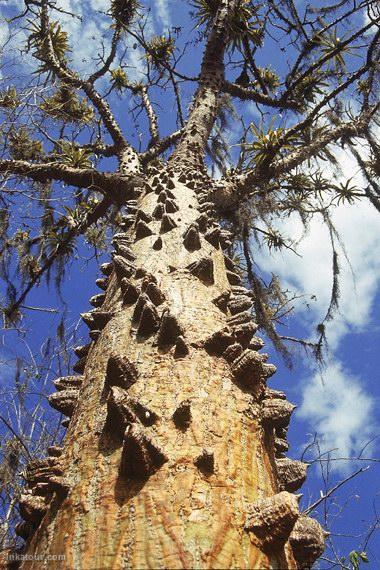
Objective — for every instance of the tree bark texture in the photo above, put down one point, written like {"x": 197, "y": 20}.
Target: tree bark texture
{"x": 168, "y": 448}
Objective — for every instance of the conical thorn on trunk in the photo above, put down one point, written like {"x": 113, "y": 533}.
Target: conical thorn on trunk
{"x": 123, "y": 267}
{"x": 167, "y": 224}
{"x": 272, "y": 519}
{"x": 102, "y": 283}
{"x": 97, "y": 300}
{"x": 182, "y": 416}
{"x": 307, "y": 541}
{"x": 106, "y": 268}
{"x": 181, "y": 348}
{"x": 221, "y": 301}
{"x": 142, "y": 230}
{"x": 155, "y": 294}
{"x": 170, "y": 206}
{"x": 157, "y": 244}
{"x": 158, "y": 211}
{"x": 129, "y": 291}
{"x": 169, "y": 330}
{"x": 206, "y": 462}
{"x": 291, "y": 474}
{"x": 219, "y": 341}
{"x": 149, "y": 320}
{"x": 64, "y": 401}
{"x": 203, "y": 269}
{"x": 121, "y": 371}
{"x": 82, "y": 350}
{"x": 191, "y": 238}
{"x": 213, "y": 236}
{"x": 141, "y": 457}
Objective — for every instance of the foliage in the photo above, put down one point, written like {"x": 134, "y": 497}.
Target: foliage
{"x": 267, "y": 144}
{"x": 308, "y": 90}
{"x": 55, "y": 40}
{"x": 269, "y": 77}
{"x": 356, "y": 558}
{"x": 331, "y": 45}
{"x": 22, "y": 147}
{"x": 119, "y": 79}
{"x": 9, "y": 98}
{"x": 65, "y": 105}
{"x": 124, "y": 11}
{"x": 242, "y": 24}
{"x": 72, "y": 155}
{"x": 159, "y": 50}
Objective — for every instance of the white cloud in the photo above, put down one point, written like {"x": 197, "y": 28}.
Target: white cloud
{"x": 339, "y": 410}
{"x": 4, "y": 32}
{"x": 90, "y": 33}
{"x": 162, "y": 12}
{"x": 311, "y": 274}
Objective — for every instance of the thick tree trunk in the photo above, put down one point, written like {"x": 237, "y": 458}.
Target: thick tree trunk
{"x": 163, "y": 465}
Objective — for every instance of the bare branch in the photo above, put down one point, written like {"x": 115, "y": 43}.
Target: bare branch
{"x": 90, "y": 218}
{"x": 105, "y": 182}
{"x": 246, "y": 94}
{"x": 334, "y": 489}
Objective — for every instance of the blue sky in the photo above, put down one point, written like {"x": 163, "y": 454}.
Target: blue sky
{"x": 340, "y": 404}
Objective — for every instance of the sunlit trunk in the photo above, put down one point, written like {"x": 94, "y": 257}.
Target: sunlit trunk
{"x": 174, "y": 436}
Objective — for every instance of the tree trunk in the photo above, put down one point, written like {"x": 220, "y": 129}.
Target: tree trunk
{"x": 169, "y": 445}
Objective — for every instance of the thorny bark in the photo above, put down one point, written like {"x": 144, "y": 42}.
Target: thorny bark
{"x": 184, "y": 504}
{"x": 174, "y": 455}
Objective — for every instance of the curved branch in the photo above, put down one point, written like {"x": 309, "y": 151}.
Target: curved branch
{"x": 228, "y": 193}
{"x": 104, "y": 182}
{"x": 313, "y": 114}
{"x": 160, "y": 147}
{"x": 90, "y": 218}
{"x": 326, "y": 58}
{"x": 108, "y": 62}
{"x": 70, "y": 78}
{"x": 247, "y": 94}
{"x": 346, "y": 130}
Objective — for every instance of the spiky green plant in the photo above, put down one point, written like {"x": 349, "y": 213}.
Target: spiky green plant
{"x": 269, "y": 78}
{"x": 55, "y": 38}
{"x": 332, "y": 42}
{"x": 124, "y": 11}
{"x": 65, "y": 105}
{"x": 160, "y": 50}
{"x": 243, "y": 22}
{"x": 346, "y": 192}
{"x": 119, "y": 79}
{"x": 9, "y": 98}
{"x": 70, "y": 154}
{"x": 309, "y": 88}
{"x": 22, "y": 146}
{"x": 267, "y": 144}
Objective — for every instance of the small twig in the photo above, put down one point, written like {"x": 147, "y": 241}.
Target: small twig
{"x": 333, "y": 489}
{"x": 42, "y": 309}
{"x": 16, "y": 435}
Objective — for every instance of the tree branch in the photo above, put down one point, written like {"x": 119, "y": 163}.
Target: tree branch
{"x": 160, "y": 147}
{"x": 90, "y": 218}
{"x": 70, "y": 78}
{"x": 152, "y": 117}
{"x": 108, "y": 62}
{"x": 230, "y": 191}
{"x": 246, "y": 94}
{"x": 107, "y": 183}
{"x": 191, "y": 149}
